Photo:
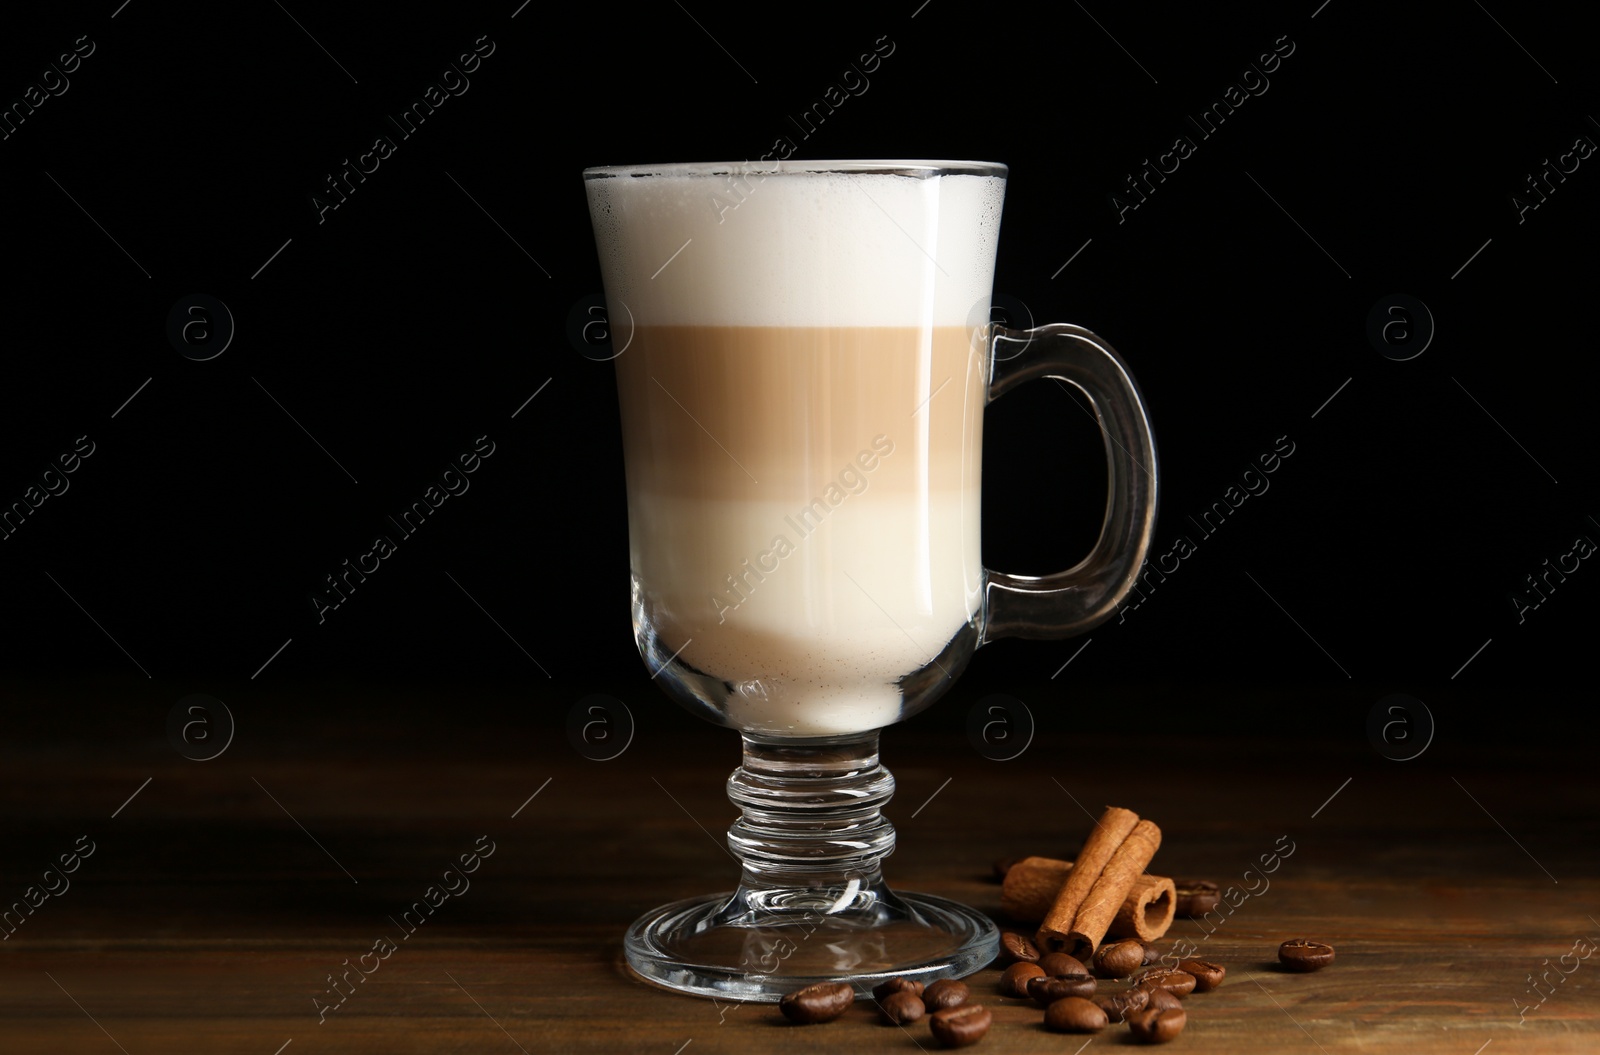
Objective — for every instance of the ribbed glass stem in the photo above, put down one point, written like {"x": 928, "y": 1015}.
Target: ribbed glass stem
{"x": 812, "y": 838}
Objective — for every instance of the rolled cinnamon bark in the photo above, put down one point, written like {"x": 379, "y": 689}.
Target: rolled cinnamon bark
{"x": 1109, "y": 833}
{"x": 1031, "y": 886}
{"x": 1147, "y": 911}
{"x": 1101, "y": 904}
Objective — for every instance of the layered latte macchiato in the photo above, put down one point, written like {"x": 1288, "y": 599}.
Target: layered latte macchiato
{"x": 801, "y": 403}
{"x": 803, "y": 360}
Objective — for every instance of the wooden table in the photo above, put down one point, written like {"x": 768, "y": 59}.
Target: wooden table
{"x": 221, "y": 895}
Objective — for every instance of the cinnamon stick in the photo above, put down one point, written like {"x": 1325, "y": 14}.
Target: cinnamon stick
{"x": 1109, "y": 833}
{"x": 1147, "y": 911}
{"x": 1030, "y": 888}
{"x": 1032, "y": 883}
{"x": 1100, "y": 905}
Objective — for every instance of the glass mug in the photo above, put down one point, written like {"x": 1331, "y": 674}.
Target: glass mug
{"x": 804, "y": 357}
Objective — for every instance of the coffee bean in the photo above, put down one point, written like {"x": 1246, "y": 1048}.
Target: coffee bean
{"x": 1002, "y": 865}
{"x": 1119, "y": 1005}
{"x": 1119, "y": 960}
{"x": 1151, "y": 955}
{"x": 901, "y": 1007}
{"x": 1056, "y": 964}
{"x": 956, "y": 1027}
{"x": 1207, "y": 975}
{"x": 1074, "y": 1014}
{"x": 822, "y": 1002}
{"x": 1161, "y": 998}
{"x": 1014, "y": 948}
{"x": 1179, "y": 983}
{"x": 1298, "y": 954}
{"x": 883, "y": 990}
{"x": 945, "y": 993}
{"x": 1046, "y": 991}
{"x": 1196, "y": 897}
{"x": 1014, "y": 982}
{"x": 1157, "y": 1026}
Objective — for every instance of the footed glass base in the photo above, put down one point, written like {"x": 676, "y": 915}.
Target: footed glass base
{"x": 812, "y": 905}
{"x": 692, "y": 947}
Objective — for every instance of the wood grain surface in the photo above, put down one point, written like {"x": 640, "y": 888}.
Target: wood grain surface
{"x": 220, "y": 897}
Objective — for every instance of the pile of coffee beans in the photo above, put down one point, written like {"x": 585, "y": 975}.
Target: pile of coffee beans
{"x": 1073, "y": 1002}
{"x": 1151, "y": 1004}
{"x": 1152, "y": 1001}
{"x": 953, "y": 1021}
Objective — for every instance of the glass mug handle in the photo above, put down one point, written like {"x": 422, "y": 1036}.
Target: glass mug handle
{"x": 1076, "y": 600}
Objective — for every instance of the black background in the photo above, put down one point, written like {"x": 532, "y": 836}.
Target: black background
{"x": 436, "y": 300}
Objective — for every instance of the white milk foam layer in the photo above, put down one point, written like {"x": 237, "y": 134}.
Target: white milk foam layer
{"x": 750, "y": 248}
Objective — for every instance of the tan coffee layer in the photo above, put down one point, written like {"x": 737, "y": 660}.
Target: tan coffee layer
{"x": 782, "y": 414}
{"x": 803, "y": 509}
